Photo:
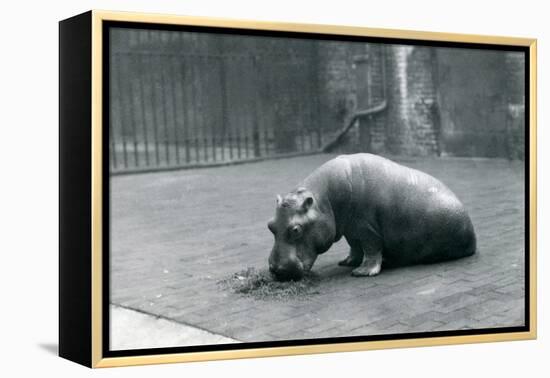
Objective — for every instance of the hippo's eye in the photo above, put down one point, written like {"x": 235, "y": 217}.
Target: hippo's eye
{"x": 295, "y": 231}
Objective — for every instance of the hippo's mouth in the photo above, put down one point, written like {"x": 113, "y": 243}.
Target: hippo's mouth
{"x": 306, "y": 267}
{"x": 294, "y": 272}
{"x": 287, "y": 276}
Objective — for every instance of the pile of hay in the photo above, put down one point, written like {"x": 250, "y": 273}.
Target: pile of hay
{"x": 260, "y": 284}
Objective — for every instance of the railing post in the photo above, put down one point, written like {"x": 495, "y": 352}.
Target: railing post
{"x": 140, "y": 74}
{"x": 121, "y": 107}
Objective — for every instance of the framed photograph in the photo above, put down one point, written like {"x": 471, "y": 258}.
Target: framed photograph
{"x": 234, "y": 189}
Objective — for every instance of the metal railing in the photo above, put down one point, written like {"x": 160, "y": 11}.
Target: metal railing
{"x": 177, "y": 110}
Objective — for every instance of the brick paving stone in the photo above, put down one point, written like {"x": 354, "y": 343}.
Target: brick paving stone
{"x": 382, "y": 323}
{"x": 422, "y": 318}
{"x": 175, "y": 235}
{"x": 422, "y": 327}
{"x": 397, "y": 328}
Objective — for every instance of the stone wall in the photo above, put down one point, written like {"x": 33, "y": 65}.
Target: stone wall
{"x": 411, "y": 123}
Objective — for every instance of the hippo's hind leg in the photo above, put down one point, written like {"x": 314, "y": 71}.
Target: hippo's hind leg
{"x": 372, "y": 262}
{"x": 355, "y": 256}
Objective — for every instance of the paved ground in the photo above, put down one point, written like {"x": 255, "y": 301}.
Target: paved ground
{"x": 175, "y": 235}
{"x": 147, "y": 331}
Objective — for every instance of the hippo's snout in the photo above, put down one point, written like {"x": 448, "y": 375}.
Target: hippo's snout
{"x": 287, "y": 272}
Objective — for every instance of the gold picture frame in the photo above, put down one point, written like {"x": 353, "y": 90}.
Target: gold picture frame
{"x": 82, "y": 262}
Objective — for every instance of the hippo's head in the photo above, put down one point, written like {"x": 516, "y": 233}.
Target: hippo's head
{"x": 301, "y": 231}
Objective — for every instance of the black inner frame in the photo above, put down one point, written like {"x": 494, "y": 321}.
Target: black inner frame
{"x": 106, "y": 352}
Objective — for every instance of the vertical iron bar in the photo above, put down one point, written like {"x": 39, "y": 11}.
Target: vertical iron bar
{"x": 205, "y": 126}
{"x": 272, "y": 145}
{"x": 185, "y": 100}
{"x": 266, "y": 140}
{"x": 315, "y": 80}
{"x": 302, "y": 139}
{"x": 174, "y": 107}
{"x": 197, "y": 156}
{"x": 121, "y": 110}
{"x": 214, "y": 147}
{"x": 213, "y": 120}
{"x": 152, "y": 78}
{"x": 255, "y": 98}
{"x": 221, "y": 142}
{"x": 112, "y": 137}
{"x": 232, "y": 124}
{"x": 194, "y": 96}
{"x": 312, "y": 67}
{"x": 230, "y": 143}
{"x": 184, "y": 95}
{"x": 238, "y": 106}
{"x": 143, "y": 112}
{"x": 112, "y": 141}
{"x": 223, "y": 91}
{"x": 162, "y": 64}
{"x": 132, "y": 110}
{"x": 239, "y": 142}
{"x": 256, "y": 141}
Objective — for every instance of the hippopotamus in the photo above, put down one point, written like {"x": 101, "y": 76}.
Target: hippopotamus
{"x": 389, "y": 214}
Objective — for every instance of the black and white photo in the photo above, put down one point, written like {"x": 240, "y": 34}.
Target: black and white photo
{"x": 414, "y": 157}
{"x": 262, "y": 189}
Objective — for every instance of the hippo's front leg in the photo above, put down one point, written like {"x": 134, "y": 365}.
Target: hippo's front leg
{"x": 372, "y": 262}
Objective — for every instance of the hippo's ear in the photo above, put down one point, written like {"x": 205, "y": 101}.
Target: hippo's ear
{"x": 279, "y": 200}
{"x": 308, "y": 201}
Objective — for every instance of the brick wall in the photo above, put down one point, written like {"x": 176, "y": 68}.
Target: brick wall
{"x": 473, "y": 86}
{"x": 351, "y": 78}
{"x": 515, "y": 69}
{"x": 372, "y": 129}
{"x": 441, "y": 101}
{"x": 337, "y": 86}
